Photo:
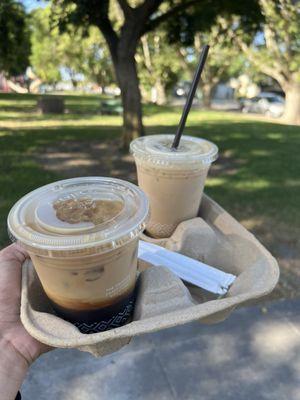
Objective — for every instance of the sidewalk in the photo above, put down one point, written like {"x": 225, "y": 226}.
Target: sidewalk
{"x": 250, "y": 356}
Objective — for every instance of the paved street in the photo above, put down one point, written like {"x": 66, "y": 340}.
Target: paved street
{"x": 252, "y": 355}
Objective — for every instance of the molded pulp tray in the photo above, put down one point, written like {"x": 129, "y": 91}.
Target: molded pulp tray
{"x": 163, "y": 300}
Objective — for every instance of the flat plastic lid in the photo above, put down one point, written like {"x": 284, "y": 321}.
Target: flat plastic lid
{"x": 79, "y": 213}
{"x": 156, "y": 149}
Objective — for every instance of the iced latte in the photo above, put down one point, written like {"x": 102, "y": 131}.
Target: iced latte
{"x": 172, "y": 179}
{"x": 82, "y": 237}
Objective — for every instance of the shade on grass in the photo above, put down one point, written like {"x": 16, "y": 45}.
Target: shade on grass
{"x": 256, "y": 175}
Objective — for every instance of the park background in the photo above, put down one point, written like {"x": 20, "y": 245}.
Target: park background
{"x": 80, "y": 79}
{"x": 105, "y": 57}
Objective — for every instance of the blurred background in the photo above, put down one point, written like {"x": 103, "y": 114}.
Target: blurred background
{"x": 79, "y": 79}
{"x": 60, "y": 47}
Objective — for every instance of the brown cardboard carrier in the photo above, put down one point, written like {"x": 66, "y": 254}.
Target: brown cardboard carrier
{"x": 163, "y": 301}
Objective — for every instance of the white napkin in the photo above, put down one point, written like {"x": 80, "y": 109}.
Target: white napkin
{"x": 186, "y": 268}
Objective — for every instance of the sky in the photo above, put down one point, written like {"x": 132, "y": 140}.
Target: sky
{"x": 32, "y": 4}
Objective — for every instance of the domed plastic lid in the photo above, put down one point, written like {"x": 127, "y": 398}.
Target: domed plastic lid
{"x": 156, "y": 149}
{"x": 95, "y": 214}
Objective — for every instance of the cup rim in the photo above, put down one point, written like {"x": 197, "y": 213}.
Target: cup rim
{"x": 98, "y": 241}
{"x": 156, "y": 150}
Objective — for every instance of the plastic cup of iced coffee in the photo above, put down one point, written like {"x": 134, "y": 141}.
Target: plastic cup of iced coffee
{"x": 172, "y": 179}
{"x": 82, "y": 237}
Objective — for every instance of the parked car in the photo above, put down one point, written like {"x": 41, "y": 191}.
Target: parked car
{"x": 270, "y": 104}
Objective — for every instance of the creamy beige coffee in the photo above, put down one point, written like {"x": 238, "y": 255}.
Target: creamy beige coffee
{"x": 82, "y": 237}
{"x": 86, "y": 288}
{"x": 172, "y": 179}
{"x": 174, "y": 196}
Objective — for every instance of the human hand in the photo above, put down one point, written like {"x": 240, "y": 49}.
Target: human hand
{"x": 18, "y": 349}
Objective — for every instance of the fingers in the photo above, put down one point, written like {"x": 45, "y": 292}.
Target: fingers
{"x": 13, "y": 253}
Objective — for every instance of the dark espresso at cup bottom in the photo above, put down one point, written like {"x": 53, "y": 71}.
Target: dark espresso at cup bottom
{"x": 82, "y": 237}
{"x": 99, "y": 319}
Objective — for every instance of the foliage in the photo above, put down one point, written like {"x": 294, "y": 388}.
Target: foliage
{"x": 123, "y": 37}
{"x": 278, "y": 54}
{"x": 14, "y": 34}
{"x": 45, "y": 57}
{"x": 72, "y": 52}
{"x": 159, "y": 63}
{"x": 97, "y": 65}
{"x": 204, "y": 15}
{"x": 224, "y": 60}
{"x": 254, "y": 177}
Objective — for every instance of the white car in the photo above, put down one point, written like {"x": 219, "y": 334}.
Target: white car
{"x": 270, "y": 104}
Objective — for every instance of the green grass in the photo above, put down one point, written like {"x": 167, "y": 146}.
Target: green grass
{"x": 257, "y": 175}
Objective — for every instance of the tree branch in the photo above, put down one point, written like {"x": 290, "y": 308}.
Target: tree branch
{"x": 261, "y": 64}
{"x": 152, "y": 24}
{"x": 111, "y": 37}
{"x": 125, "y": 7}
{"x": 146, "y": 52}
{"x": 135, "y": 21}
{"x": 149, "y": 7}
{"x": 143, "y": 13}
{"x": 275, "y": 35}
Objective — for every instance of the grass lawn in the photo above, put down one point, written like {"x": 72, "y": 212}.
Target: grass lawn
{"x": 256, "y": 177}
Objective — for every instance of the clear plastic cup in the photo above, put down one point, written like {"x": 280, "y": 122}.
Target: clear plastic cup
{"x": 82, "y": 237}
{"x": 172, "y": 179}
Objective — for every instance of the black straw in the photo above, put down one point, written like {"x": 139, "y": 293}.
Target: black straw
{"x": 190, "y": 97}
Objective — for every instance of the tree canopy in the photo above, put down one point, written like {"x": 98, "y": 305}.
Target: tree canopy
{"x": 14, "y": 34}
{"x": 160, "y": 65}
{"x": 123, "y": 35}
{"x": 72, "y": 53}
{"x": 277, "y": 53}
{"x": 45, "y": 58}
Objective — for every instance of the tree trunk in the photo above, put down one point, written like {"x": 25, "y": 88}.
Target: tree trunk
{"x": 74, "y": 83}
{"x": 131, "y": 98}
{"x": 122, "y": 48}
{"x": 207, "y": 95}
{"x": 292, "y": 104}
{"x": 161, "y": 97}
